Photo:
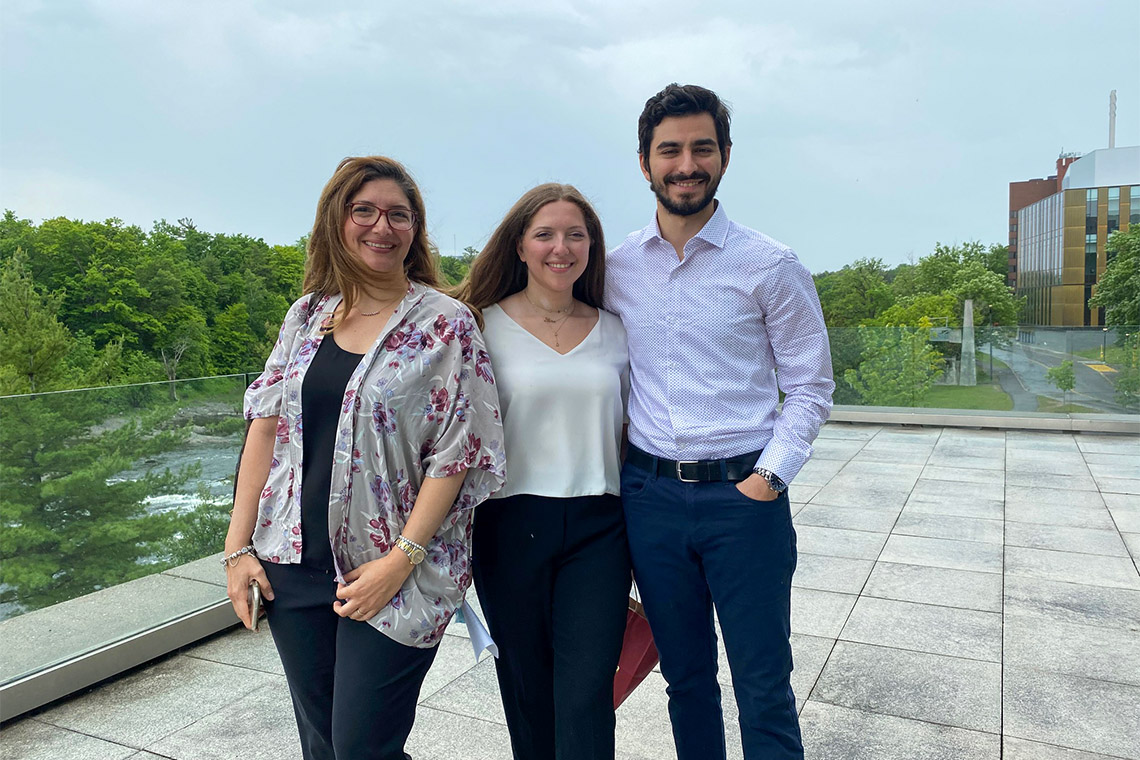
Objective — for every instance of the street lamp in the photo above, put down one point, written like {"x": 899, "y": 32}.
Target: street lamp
{"x": 1104, "y": 344}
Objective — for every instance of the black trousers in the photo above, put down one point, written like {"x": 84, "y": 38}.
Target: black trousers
{"x": 354, "y": 689}
{"x": 553, "y": 578}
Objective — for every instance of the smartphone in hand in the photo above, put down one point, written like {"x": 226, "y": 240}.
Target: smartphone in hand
{"x": 254, "y": 604}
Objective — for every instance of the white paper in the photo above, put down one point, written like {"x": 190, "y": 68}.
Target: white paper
{"x": 480, "y": 637}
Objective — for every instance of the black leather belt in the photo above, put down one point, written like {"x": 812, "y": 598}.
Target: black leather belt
{"x": 696, "y": 471}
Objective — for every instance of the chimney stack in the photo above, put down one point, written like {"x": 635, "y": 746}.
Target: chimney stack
{"x": 1112, "y": 119}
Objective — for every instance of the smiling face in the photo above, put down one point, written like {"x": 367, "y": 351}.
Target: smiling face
{"x": 683, "y": 164}
{"x": 555, "y": 247}
{"x": 379, "y": 247}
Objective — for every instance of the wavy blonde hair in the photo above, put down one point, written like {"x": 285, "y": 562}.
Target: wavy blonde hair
{"x": 329, "y": 267}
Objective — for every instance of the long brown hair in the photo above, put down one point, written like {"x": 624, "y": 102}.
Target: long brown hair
{"x": 329, "y": 267}
{"x": 498, "y": 272}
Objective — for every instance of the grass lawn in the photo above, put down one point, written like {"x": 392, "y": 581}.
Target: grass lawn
{"x": 964, "y": 397}
{"x": 1115, "y": 355}
{"x": 1046, "y": 404}
{"x": 983, "y": 360}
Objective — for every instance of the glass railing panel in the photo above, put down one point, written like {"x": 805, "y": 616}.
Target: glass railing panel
{"x": 1038, "y": 370}
{"x": 108, "y": 498}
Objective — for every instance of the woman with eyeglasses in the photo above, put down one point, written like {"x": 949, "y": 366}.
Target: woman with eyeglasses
{"x": 357, "y": 523}
{"x": 551, "y": 562}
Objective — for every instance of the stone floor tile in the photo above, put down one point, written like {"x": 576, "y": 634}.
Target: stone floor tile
{"x": 835, "y": 542}
{"x": 1092, "y": 443}
{"x": 842, "y": 574}
{"x": 474, "y": 694}
{"x": 946, "y": 690}
{"x": 1062, "y": 538}
{"x": 1132, "y": 541}
{"x": 849, "y": 431}
{"x": 855, "y": 490}
{"x": 1073, "y": 603}
{"x": 801, "y": 494}
{"x": 1077, "y": 514}
{"x": 960, "y": 473}
{"x": 1037, "y": 462}
{"x": 1114, "y": 465}
{"x": 1040, "y": 495}
{"x": 242, "y": 648}
{"x": 848, "y": 518}
{"x": 941, "y": 552}
{"x": 151, "y": 703}
{"x": 1022, "y": 749}
{"x": 886, "y": 471}
{"x": 29, "y": 739}
{"x": 151, "y": 756}
{"x": 1125, "y": 512}
{"x": 1040, "y": 441}
{"x": 820, "y": 613}
{"x": 936, "y": 585}
{"x": 913, "y": 523}
{"x": 968, "y": 459}
{"x": 1129, "y": 486}
{"x": 926, "y": 489}
{"x": 818, "y": 472}
{"x": 1045, "y": 642}
{"x": 925, "y": 628}
{"x": 1080, "y": 713}
{"x": 893, "y": 454}
{"x": 259, "y": 726}
{"x": 836, "y": 448}
{"x": 454, "y": 658}
{"x": 1091, "y": 569}
{"x": 906, "y": 434}
{"x": 974, "y": 436}
{"x": 1018, "y": 478}
{"x": 948, "y": 504}
{"x": 832, "y": 732}
{"x": 439, "y": 734}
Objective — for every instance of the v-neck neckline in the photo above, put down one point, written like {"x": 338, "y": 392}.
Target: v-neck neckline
{"x": 544, "y": 344}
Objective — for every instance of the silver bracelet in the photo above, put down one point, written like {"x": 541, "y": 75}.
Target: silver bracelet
{"x": 232, "y": 559}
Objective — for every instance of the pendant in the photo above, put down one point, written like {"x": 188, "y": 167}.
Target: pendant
{"x": 548, "y": 320}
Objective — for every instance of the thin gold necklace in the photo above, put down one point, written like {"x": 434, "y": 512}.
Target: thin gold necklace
{"x": 384, "y": 307}
{"x": 559, "y": 322}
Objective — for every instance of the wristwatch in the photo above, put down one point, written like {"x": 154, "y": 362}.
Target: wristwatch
{"x": 415, "y": 552}
{"x": 773, "y": 479}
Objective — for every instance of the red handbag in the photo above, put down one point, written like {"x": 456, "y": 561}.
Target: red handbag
{"x": 638, "y": 653}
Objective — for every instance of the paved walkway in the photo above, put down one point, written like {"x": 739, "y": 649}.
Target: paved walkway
{"x": 960, "y": 595}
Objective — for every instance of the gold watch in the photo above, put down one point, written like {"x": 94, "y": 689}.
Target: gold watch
{"x": 415, "y": 552}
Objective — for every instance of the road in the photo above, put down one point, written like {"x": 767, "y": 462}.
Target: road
{"x": 1026, "y": 379}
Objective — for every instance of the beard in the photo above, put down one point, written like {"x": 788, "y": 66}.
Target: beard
{"x": 689, "y": 206}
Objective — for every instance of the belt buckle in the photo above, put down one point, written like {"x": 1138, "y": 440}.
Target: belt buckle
{"x": 681, "y": 477}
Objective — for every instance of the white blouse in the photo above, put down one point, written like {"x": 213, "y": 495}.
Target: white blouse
{"x": 562, "y": 413}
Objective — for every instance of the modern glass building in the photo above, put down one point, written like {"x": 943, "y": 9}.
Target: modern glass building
{"x": 1061, "y": 238}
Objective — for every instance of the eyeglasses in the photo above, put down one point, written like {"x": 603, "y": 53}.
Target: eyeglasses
{"x": 367, "y": 215}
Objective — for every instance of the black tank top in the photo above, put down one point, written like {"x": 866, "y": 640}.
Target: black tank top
{"x": 322, "y": 394}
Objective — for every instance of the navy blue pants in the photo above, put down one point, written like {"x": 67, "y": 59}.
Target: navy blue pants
{"x": 696, "y": 545}
{"x": 354, "y": 689}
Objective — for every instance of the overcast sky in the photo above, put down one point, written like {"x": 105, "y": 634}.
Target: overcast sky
{"x": 859, "y": 129}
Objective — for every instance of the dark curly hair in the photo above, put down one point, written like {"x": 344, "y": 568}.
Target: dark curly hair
{"x": 683, "y": 100}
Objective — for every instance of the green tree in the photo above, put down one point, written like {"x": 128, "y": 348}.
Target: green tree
{"x": 898, "y": 366}
{"x": 1119, "y": 288}
{"x": 33, "y": 343}
{"x": 855, "y": 294}
{"x": 67, "y": 526}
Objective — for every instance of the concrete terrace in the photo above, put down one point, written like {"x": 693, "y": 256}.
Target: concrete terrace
{"x": 961, "y": 595}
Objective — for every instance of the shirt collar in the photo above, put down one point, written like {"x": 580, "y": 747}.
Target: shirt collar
{"x": 715, "y": 231}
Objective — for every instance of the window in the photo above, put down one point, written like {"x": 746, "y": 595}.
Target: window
{"x": 1134, "y": 205}
{"x": 1090, "y": 211}
{"x": 1113, "y": 209}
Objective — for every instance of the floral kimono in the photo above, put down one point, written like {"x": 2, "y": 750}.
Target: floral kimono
{"x": 421, "y": 403}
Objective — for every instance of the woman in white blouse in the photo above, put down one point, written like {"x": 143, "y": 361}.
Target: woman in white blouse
{"x": 550, "y": 560}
